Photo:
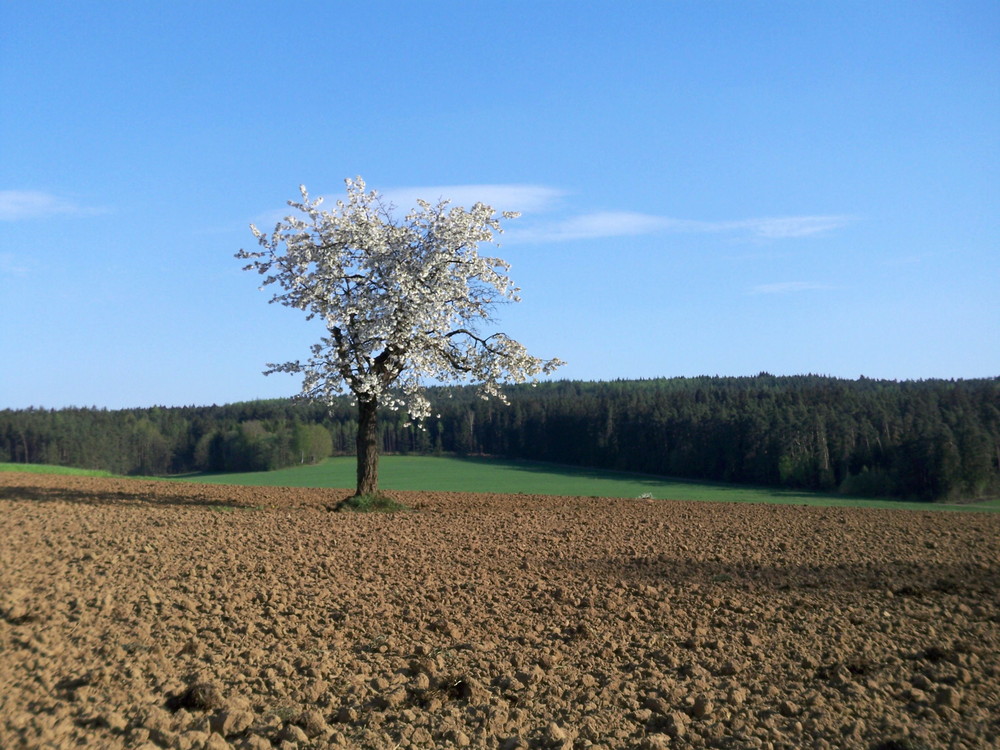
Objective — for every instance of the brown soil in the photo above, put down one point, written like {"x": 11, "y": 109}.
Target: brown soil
{"x": 145, "y": 614}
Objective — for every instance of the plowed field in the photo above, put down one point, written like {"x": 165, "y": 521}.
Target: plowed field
{"x": 152, "y": 614}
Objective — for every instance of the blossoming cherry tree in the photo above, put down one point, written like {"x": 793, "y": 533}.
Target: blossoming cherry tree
{"x": 401, "y": 301}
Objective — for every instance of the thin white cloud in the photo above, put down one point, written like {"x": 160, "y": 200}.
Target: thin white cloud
{"x": 594, "y": 226}
{"x": 786, "y": 287}
{"x": 515, "y": 197}
{"x": 16, "y": 205}
{"x": 267, "y": 220}
{"x": 791, "y": 226}
{"x": 907, "y": 260}
{"x": 523, "y": 198}
{"x": 535, "y": 199}
{"x": 624, "y": 223}
{"x": 9, "y": 265}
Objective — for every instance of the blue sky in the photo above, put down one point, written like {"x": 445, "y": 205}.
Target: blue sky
{"x": 706, "y": 187}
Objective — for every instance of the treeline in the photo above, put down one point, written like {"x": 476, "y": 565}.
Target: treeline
{"x": 928, "y": 440}
{"x": 252, "y": 436}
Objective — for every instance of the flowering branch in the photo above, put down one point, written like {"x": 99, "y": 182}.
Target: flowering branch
{"x": 400, "y": 300}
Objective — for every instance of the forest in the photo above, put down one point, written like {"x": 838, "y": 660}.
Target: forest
{"x": 930, "y": 440}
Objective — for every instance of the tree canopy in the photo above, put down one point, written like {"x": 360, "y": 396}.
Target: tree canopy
{"x": 402, "y": 301}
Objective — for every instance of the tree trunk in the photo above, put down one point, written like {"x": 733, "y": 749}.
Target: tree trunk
{"x": 367, "y": 447}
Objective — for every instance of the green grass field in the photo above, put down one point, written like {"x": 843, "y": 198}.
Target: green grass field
{"x": 46, "y": 469}
{"x": 448, "y": 474}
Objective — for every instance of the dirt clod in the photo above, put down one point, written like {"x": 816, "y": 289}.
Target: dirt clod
{"x": 159, "y": 614}
{"x": 200, "y": 696}
{"x": 228, "y": 722}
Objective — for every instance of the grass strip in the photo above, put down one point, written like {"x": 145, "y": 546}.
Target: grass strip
{"x": 507, "y": 476}
{"x": 48, "y": 469}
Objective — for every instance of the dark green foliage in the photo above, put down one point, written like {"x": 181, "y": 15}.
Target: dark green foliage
{"x": 255, "y": 436}
{"x": 928, "y": 440}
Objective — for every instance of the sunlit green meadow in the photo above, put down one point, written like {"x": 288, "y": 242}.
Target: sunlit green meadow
{"x": 453, "y": 474}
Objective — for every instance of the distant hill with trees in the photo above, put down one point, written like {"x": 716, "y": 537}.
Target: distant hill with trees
{"x": 931, "y": 440}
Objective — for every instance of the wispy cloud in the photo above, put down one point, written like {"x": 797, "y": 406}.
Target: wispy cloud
{"x": 604, "y": 224}
{"x": 787, "y": 287}
{"x": 908, "y": 260}
{"x": 542, "y": 199}
{"x": 524, "y": 198}
{"x": 594, "y": 226}
{"x": 9, "y": 265}
{"x": 16, "y": 205}
{"x": 790, "y": 226}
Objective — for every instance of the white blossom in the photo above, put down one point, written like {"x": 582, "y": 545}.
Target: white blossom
{"x": 402, "y": 301}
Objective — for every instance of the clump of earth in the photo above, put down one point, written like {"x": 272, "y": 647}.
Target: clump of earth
{"x": 140, "y": 614}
